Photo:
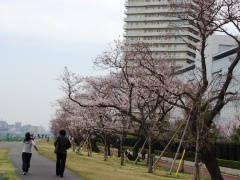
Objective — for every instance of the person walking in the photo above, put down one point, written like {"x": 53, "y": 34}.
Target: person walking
{"x": 27, "y": 152}
{"x": 62, "y": 143}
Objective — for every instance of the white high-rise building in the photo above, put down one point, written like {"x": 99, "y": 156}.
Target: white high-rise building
{"x": 215, "y": 44}
{"x": 218, "y": 53}
{"x": 221, "y": 62}
{"x": 166, "y": 29}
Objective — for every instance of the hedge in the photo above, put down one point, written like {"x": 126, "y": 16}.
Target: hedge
{"x": 229, "y": 164}
{"x": 221, "y": 162}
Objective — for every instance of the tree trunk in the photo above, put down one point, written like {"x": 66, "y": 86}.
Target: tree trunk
{"x": 135, "y": 151}
{"x": 89, "y": 146}
{"x": 207, "y": 155}
{"x": 94, "y": 146}
{"x": 105, "y": 149}
{"x": 89, "y": 150}
{"x": 150, "y": 158}
{"x": 121, "y": 151}
{"x": 182, "y": 166}
{"x": 122, "y": 158}
{"x": 105, "y": 153}
{"x": 108, "y": 150}
{"x": 196, "y": 167}
{"x": 73, "y": 145}
{"x": 120, "y": 147}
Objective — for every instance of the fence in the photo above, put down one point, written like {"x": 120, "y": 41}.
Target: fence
{"x": 11, "y": 137}
{"x": 227, "y": 151}
{"x": 230, "y": 151}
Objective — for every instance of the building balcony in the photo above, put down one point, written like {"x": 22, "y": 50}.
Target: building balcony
{"x": 191, "y": 35}
{"x": 158, "y": 26}
{"x": 144, "y": 3}
{"x": 173, "y": 49}
{"x": 144, "y": 11}
{"x": 159, "y": 18}
{"x": 183, "y": 40}
{"x": 152, "y": 11}
{"x": 183, "y": 57}
{"x": 183, "y": 34}
{"x": 137, "y": 4}
{"x": 160, "y": 34}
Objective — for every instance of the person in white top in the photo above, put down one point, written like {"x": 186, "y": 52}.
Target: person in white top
{"x": 27, "y": 152}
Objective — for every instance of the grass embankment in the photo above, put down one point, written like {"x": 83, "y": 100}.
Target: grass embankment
{"x": 94, "y": 168}
{"x": 6, "y": 166}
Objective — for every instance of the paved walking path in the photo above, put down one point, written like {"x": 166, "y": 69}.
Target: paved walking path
{"x": 44, "y": 169}
{"x": 41, "y": 167}
{"x": 191, "y": 170}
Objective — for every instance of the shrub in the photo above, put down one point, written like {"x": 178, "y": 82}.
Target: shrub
{"x": 229, "y": 164}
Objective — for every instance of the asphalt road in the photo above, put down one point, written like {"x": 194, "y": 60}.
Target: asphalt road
{"x": 41, "y": 168}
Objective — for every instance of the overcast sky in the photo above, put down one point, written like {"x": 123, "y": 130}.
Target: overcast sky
{"x": 38, "y": 39}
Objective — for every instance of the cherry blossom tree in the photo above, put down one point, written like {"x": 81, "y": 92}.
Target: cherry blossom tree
{"x": 146, "y": 87}
{"x": 129, "y": 89}
{"x": 67, "y": 117}
{"x": 90, "y": 121}
{"x": 206, "y": 100}
{"x": 228, "y": 129}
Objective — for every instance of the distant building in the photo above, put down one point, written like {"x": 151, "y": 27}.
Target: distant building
{"x": 11, "y": 126}
{"x": 26, "y": 128}
{"x": 18, "y": 125}
{"x": 3, "y": 125}
{"x": 17, "y": 128}
{"x": 37, "y": 130}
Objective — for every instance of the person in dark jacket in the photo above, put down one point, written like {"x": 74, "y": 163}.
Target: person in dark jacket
{"x": 63, "y": 144}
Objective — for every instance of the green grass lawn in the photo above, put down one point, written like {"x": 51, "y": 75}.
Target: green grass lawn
{"x": 6, "y": 166}
{"x": 94, "y": 168}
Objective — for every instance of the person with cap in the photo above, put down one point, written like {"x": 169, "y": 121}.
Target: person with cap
{"x": 27, "y": 152}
